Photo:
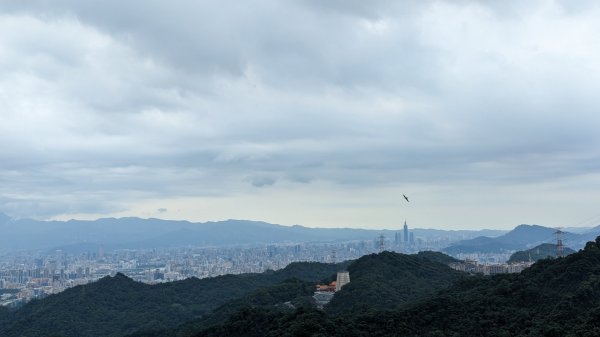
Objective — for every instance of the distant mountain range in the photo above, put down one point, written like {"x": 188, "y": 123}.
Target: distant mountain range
{"x": 521, "y": 238}
{"x": 137, "y": 233}
{"x": 79, "y": 235}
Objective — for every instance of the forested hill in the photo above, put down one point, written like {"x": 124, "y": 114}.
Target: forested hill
{"x": 387, "y": 280}
{"x": 383, "y": 280}
{"x": 3, "y": 314}
{"x": 117, "y": 306}
{"x": 284, "y": 296}
{"x": 559, "y": 297}
{"x": 542, "y": 251}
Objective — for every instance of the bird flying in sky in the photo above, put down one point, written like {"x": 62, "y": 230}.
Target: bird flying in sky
{"x": 405, "y": 197}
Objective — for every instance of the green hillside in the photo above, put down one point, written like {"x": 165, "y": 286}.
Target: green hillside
{"x": 559, "y": 297}
{"x": 3, "y": 315}
{"x": 437, "y": 257}
{"x": 387, "y": 280}
{"x": 542, "y": 251}
{"x": 284, "y": 296}
{"x": 393, "y": 278}
{"x": 117, "y": 306}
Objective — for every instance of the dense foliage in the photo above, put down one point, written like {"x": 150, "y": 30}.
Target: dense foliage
{"x": 117, "y": 306}
{"x": 281, "y": 297}
{"x": 559, "y": 297}
{"x": 260, "y": 322}
{"x": 291, "y": 292}
{"x": 437, "y": 257}
{"x": 545, "y": 250}
{"x": 387, "y": 280}
{"x": 3, "y": 314}
{"x": 400, "y": 268}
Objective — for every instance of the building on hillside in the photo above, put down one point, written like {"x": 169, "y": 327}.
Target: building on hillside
{"x": 471, "y": 266}
{"x": 343, "y": 278}
{"x": 326, "y": 287}
{"x": 322, "y": 298}
{"x": 324, "y": 292}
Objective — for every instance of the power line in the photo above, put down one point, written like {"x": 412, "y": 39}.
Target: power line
{"x": 591, "y": 220}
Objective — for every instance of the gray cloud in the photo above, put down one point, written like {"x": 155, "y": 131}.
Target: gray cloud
{"x": 187, "y": 99}
{"x": 263, "y": 181}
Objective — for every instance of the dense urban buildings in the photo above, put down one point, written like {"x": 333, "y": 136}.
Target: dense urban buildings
{"x": 25, "y": 275}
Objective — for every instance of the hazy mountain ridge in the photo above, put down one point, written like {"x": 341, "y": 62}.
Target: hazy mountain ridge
{"x": 521, "y": 237}
{"x": 157, "y": 233}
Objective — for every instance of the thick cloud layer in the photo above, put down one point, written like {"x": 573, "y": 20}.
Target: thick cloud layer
{"x": 312, "y": 112}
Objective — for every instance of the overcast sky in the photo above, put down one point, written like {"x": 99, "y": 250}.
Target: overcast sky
{"x": 320, "y": 113}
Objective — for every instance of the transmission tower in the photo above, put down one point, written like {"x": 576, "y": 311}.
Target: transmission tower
{"x": 381, "y": 243}
{"x": 559, "y": 243}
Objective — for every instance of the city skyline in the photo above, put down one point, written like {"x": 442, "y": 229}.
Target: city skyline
{"x": 321, "y": 114}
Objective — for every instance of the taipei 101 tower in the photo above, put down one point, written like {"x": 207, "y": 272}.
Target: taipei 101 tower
{"x": 405, "y": 232}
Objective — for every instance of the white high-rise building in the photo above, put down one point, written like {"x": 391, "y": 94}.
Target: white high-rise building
{"x": 343, "y": 278}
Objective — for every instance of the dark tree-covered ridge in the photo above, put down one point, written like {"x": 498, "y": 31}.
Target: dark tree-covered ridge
{"x": 559, "y": 297}
{"x": 388, "y": 280}
{"x": 117, "y": 306}
{"x": 543, "y": 251}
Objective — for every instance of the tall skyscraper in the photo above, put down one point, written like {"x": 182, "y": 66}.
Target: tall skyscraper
{"x": 405, "y": 232}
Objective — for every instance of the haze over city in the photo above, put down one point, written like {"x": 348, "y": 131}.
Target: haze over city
{"x": 299, "y": 168}
{"x": 302, "y": 112}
